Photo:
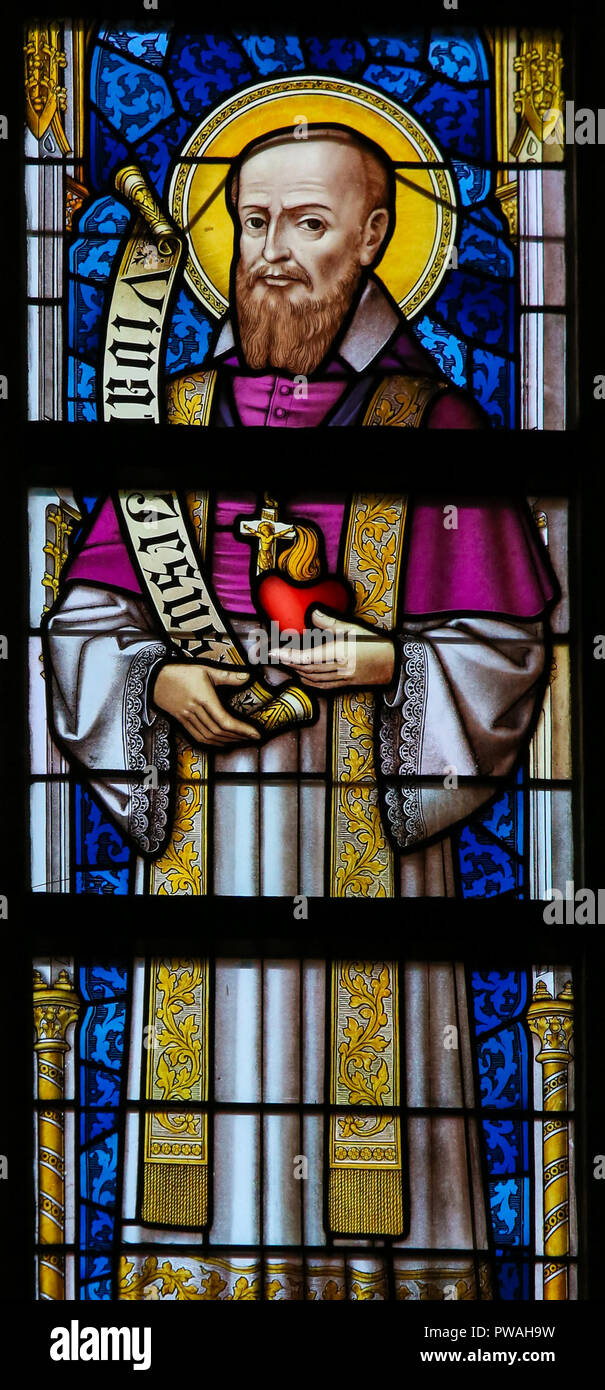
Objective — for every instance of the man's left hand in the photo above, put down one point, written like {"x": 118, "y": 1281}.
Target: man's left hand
{"x": 348, "y": 655}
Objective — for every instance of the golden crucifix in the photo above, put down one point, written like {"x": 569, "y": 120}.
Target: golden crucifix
{"x": 267, "y": 530}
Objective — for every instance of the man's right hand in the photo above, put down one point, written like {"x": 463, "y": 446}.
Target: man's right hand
{"x": 188, "y": 693}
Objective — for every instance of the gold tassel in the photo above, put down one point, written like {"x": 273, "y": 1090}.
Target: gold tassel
{"x": 365, "y": 1184}
{"x": 175, "y": 1194}
{"x": 366, "y": 1201}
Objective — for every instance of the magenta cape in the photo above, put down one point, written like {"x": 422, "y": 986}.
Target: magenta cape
{"x": 492, "y": 562}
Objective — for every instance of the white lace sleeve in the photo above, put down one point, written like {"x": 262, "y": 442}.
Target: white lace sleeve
{"x": 465, "y": 699}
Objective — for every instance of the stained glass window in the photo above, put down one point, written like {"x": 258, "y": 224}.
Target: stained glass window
{"x": 267, "y": 684}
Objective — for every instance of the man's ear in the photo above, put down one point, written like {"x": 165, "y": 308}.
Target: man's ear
{"x": 373, "y": 235}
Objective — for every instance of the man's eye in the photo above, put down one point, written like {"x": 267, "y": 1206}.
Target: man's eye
{"x": 255, "y": 223}
{"x": 312, "y": 224}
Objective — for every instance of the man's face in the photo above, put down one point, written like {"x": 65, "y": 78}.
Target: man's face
{"x": 301, "y": 211}
{"x": 305, "y": 235}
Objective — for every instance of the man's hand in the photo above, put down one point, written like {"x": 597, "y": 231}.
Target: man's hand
{"x": 349, "y": 655}
{"x": 188, "y": 693}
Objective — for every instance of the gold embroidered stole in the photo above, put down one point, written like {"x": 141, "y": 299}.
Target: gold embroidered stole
{"x": 365, "y": 1187}
{"x": 175, "y": 1145}
{"x": 175, "y": 1142}
{"x": 189, "y": 398}
{"x": 402, "y": 400}
{"x": 365, "y": 1184}
{"x": 361, "y": 857}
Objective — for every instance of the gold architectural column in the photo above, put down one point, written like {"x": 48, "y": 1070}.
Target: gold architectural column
{"x": 552, "y": 1022}
{"x": 56, "y": 1006}
{"x": 502, "y": 44}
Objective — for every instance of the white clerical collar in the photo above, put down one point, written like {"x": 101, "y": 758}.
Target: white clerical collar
{"x": 374, "y": 322}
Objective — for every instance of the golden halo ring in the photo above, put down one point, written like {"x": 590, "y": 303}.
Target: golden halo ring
{"x": 418, "y": 253}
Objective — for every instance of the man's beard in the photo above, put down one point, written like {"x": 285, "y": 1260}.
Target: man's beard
{"x": 291, "y": 336}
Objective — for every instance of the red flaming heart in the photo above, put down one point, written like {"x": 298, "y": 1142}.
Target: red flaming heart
{"x": 287, "y": 604}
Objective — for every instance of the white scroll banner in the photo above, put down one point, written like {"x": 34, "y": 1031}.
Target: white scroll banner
{"x": 139, "y": 304}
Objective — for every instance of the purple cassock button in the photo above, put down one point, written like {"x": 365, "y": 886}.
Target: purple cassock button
{"x": 285, "y": 390}
{"x": 280, "y": 413}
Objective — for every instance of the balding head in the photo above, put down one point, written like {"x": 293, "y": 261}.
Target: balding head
{"x": 368, "y": 167}
{"x": 313, "y": 214}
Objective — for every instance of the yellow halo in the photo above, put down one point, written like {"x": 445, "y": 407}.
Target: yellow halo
{"x": 418, "y": 253}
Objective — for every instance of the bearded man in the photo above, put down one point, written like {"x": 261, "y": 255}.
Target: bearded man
{"x": 316, "y": 339}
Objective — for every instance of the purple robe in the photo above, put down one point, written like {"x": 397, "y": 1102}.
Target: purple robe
{"x": 492, "y": 562}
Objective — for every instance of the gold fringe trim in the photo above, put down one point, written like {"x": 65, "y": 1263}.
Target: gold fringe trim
{"x": 362, "y": 1200}
{"x": 175, "y": 1194}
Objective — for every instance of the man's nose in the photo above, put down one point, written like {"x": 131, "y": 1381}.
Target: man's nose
{"x": 276, "y": 246}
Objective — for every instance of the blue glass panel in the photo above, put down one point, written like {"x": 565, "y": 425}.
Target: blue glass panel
{"x": 149, "y": 41}
{"x": 93, "y": 257}
{"x": 155, "y": 154}
{"x": 481, "y": 309}
{"x": 93, "y": 1265}
{"x": 458, "y": 117}
{"x": 98, "y": 843}
{"x": 478, "y": 868}
{"x": 101, "y": 1289}
{"x": 104, "y": 216}
{"x": 102, "y": 981}
{"x": 506, "y": 1146}
{"x": 336, "y": 55}
{"x": 509, "y": 1209}
{"x": 498, "y": 997}
{"x": 101, "y": 1072}
{"x": 81, "y": 388}
{"x": 83, "y": 411}
{"x": 473, "y": 183}
{"x": 482, "y": 246}
{"x": 460, "y": 56}
{"x": 101, "y": 1087}
{"x": 450, "y": 352}
{"x": 85, "y": 309}
{"x": 189, "y": 335}
{"x": 513, "y": 1280}
{"x": 400, "y": 82}
{"x": 99, "y": 881}
{"x": 406, "y": 49}
{"x": 132, "y": 99}
{"x": 494, "y": 386}
{"x": 269, "y": 54}
{"x": 97, "y": 1226}
{"x": 98, "y": 1167}
{"x": 97, "y": 1122}
{"x": 205, "y": 69}
{"x": 486, "y": 869}
{"x": 505, "y": 820}
{"x": 107, "y": 153}
{"x": 102, "y": 1039}
{"x": 502, "y": 1062}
